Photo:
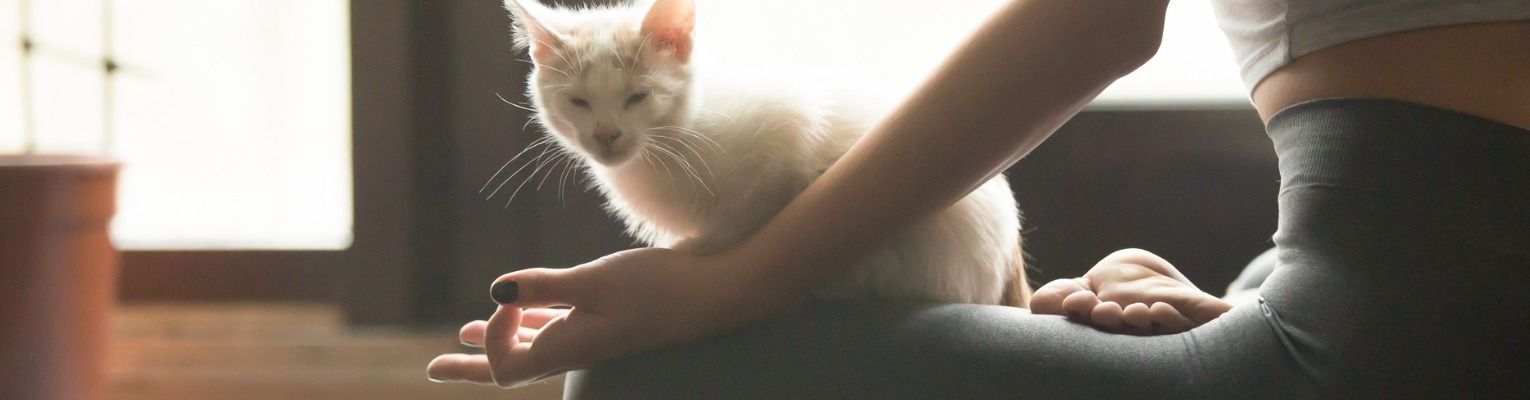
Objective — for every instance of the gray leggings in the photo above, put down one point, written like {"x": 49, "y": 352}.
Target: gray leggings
{"x": 1403, "y": 260}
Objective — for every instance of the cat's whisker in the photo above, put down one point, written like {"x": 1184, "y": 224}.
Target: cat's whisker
{"x": 529, "y": 177}
{"x": 565, "y": 73}
{"x": 502, "y": 98}
{"x": 559, "y": 53}
{"x": 673, "y": 155}
{"x": 660, "y": 161}
{"x": 697, "y": 152}
{"x": 616, "y": 54}
{"x": 691, "y": 133}
{"x": 558, "y": 160}
{"x": 644, "y": 154}
{"x": 538, "y": 142}
{"x": 578, "y": 171}
{"x": 660, "y": 156}
{"x": 578, "y": 56}
{"x": 688, "y": 146}
{"x": 688, "y": 131}
{"x": 568, "y": 166}
{"x": 496, "y": 174}
{"x": 729, "y": 117}
{"x": 641, "y": 44}
{"x": 566, "y": 61}
{"x": 677, "y": 128}
{"x": 510, "y": 178}
{"x": 711, "y": 144}
{"x": 685, "y": 166}
{"x": 517, "y": 172}
{"x": 703, "y": 142}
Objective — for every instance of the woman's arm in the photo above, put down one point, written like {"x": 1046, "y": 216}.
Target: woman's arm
{"x": 1025, "y": 72}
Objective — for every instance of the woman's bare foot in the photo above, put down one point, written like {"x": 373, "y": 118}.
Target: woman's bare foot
{"x": 1130, "y": 291}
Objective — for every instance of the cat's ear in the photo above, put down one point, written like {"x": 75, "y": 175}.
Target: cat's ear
{"x": 530, "y": 32}
{"x": 668, "y": 25}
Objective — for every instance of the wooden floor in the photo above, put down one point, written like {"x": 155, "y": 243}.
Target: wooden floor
{"x": 279, "y": 351}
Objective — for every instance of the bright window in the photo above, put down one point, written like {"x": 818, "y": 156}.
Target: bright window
{"x": 232, "y": 117}
{"x": 900, "y": 42}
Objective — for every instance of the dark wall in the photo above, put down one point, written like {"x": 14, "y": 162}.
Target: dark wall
{"x": 1197, "y": 187}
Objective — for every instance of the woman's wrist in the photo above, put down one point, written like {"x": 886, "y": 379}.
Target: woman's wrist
{"x": 754, "y": 287}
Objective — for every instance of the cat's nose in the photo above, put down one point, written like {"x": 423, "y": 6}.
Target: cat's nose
{"x": 608, "y": 136}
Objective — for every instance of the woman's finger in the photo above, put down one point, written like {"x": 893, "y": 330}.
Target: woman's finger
{"x": 1106, "y": 316}
{"x": 564, "y": 344}
{"x": 1049, "y": 298}
{"x": 532, "y": 321}
{"x": 1136, "y": 319}
{"x": 460, "y": 368}
{"x": 538, "y": 287}
{"x": 526, "y": 335}
{"x": 1079, "y": 305}
{"x": 1168, "y": 320}
{"x": 508, "y": 361}
{"x": 539, "y": 317}
{"x": 499, "y": 332}
{"x": 471, "y": 334}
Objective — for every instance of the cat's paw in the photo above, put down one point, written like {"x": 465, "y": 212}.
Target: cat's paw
{"x": 1130, "y": 291}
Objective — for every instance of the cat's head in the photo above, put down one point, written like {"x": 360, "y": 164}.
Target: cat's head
{"x": 606, "y": 79}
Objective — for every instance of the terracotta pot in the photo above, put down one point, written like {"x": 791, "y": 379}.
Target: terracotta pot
{"x": 58, "y": 275}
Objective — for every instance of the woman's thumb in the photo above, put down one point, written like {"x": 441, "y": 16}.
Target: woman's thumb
{"x": 537, "y": 287}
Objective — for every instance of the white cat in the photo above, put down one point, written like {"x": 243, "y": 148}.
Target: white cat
{"x": 697, "y": 162}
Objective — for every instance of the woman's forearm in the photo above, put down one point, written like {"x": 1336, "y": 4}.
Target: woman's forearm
{"x": 1029, "y": 69}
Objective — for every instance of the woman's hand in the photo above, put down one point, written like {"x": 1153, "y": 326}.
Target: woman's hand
{"x": 624, "y": 303}
{"x": 1130, "y": 291}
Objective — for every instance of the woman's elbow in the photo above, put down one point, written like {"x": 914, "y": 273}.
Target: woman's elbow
{"x": 1132, "y": 32}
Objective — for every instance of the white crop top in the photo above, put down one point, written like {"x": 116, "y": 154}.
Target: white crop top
{"x": 1267, "y": 34}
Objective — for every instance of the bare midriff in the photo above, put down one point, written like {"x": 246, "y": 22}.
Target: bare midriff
{"x": 1478, "y": 69}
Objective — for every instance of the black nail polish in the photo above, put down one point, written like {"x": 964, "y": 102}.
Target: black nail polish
{"x": 505, "y": 292}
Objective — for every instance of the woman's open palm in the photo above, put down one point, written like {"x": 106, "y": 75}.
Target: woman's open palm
{"x": 621, "y": 304}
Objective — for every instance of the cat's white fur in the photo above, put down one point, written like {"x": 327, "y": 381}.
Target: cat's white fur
{"x": 703, "y": 160}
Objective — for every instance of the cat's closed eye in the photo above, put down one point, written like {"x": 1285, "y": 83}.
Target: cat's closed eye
{"x": 636, "y": 98}
{"x": 578, "y": 102}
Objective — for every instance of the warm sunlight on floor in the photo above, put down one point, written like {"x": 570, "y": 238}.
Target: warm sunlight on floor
{"x": 278, "y": 351}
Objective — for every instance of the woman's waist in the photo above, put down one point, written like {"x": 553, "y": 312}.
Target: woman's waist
{"x": 1391, "y": 147}
{"x": 1477, "y": 69}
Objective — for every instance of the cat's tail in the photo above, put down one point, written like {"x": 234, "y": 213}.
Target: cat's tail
{"x": 1017, "y": 291}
